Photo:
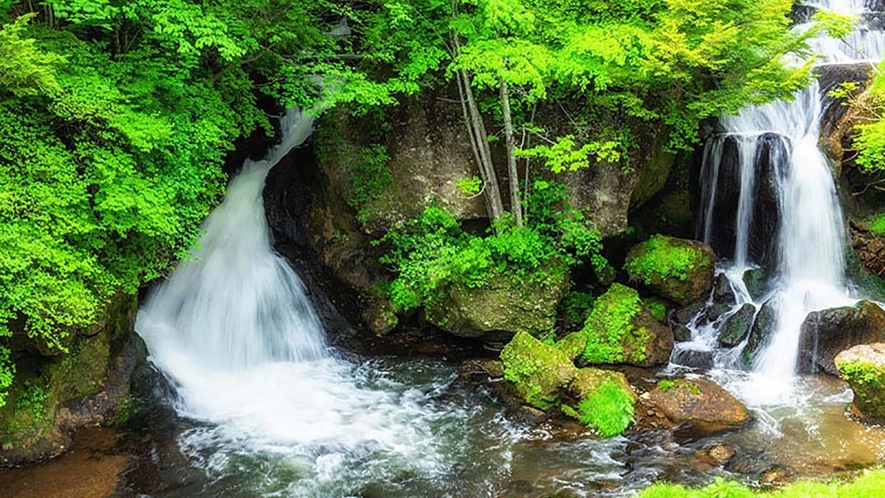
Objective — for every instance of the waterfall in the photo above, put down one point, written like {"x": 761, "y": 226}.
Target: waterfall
{"x": 769, "y": 200}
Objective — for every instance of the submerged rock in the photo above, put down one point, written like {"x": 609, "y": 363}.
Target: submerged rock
{"x": 863, "y": 367}
{"x": 678, "y": 269}
{"x": 737, "y": 327}
{"x": 699, "y": 405}
{"x": 619, "y": 329}
{"x": 535, "y": 371}
{"x": 502, "y": 306}
{"x": 825, "y": 333}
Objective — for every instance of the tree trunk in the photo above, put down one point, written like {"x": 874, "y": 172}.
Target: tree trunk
{"x": 513, "y": 176}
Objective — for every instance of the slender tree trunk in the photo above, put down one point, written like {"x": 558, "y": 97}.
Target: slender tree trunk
{"x": 479, "y": 142}
{"x": 513, "y": 175}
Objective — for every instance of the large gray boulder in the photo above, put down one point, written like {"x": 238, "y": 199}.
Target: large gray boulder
{"x": 826, "y": 333}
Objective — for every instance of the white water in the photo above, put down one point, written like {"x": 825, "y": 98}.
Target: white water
{"x": 234, "y": 332}
{"x": 809, "y": 269}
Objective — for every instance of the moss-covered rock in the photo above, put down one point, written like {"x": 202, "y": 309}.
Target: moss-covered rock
{"x": 572, "y": 345}
{"x": 678, "y": 269}
{"x": 737, "y": 326}
{"x": 503, "y": 305}
{"x": 620, "y": 329}
{"x": 606, "y": 400}
{"x": 88, "y": 385}
{"x": 536, "y": 372}
{"x": 763, "y": 326}
{"x": 699, "y": 404}
{"x": 863, "y": 367}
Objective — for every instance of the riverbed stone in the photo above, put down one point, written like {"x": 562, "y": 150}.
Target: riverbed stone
{"x": 699, "y": 404}
{"x": 737, "y": 326}
{"x": 827, "y": 332}
{"x": 763, "y": 327}
{"x": 605, "y": 400}
{"x": 863, "y": 367}
{"x": 503, "y": 305}
{"x": 678, "y": 269}
{"x": 619, "y": 329}
{"x": 535, "y": 371}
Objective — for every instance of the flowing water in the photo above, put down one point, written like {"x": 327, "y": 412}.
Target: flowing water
{"x": 265, "y": 408}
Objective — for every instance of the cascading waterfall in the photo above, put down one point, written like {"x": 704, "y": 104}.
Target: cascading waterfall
{"x": 769, "y": 200}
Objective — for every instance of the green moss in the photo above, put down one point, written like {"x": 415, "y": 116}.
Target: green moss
{"x": 869, "y": 485}
{"x": 609, "y": 409}
{"x": 867, "y": 380}
{"x": 535, "y": 370}
{"x": 877, "y": 224}
{"x": 668, "y": 384}
{"x": 660, "y": 259}
{"x": 656, "y": 307}
{"x": 610, "y": 327}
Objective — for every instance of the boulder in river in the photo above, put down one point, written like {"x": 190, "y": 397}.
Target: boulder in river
{"x": 763, "y": 326}
{"x": 737, "y": 326}
{"x": 620, "y": 329}
{"x": 825, "y": 333}
{"x": 535, "y": 371}
{"x": 678, "y": 269}
{"x": 863, "y": 367}
{"x": 699, "y": 405}
{"x": 606, "y": 400}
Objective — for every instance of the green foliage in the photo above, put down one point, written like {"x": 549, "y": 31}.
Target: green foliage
{"x": 666, "y": 384}
{"x": 536, "y": 370}
{"x": 662, "y": 260}
{"x": 868, "y": 484}
{"x": 25, "y": 69}
{"x": 610, "y": 327}
{"x": 877, "y": 224}
{"x": 565, "y": 155}
{"x": 609, "y": 409}
{"x": 7, "y": 373}
{"x": 369, "y": 176}
{"x": 32, "y": 398}
{"x": 575, "y": 306}
{"x": 470, "y": 185}
{"x": 433, "y": 251}
{"x": 657, "y": 309}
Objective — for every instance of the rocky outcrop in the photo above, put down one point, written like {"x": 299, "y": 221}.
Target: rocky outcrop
{"x": 698, "y": 404}
{"x": 87, "y": 386}
{"x": 825, "y": 333}
{"x": 535, "y": 371}
{"x": 678, "y": 269}
{"x": 620, "y": 329}
{"x": 869, "y": 247}
{"x": 502, "y": 306}
{"x": 863, "y": 367}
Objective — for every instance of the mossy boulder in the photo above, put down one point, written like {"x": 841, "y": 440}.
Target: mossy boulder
{"x": 699, "y": 405}
{"x": 678, "y": 269}
{"x": 827, "y": 332}
{"x": 620, "y": 329}
{"x": 536, "y": 372}
{"x": 863, "y": 367}
{"x": 503, "y": 305}
{"x": 572, "y": 345}
{"x": 606, "y": 400}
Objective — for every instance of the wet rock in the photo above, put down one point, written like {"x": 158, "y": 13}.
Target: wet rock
{"x": 685, "y": 314}
{"x": 716, "y": 310}
{"x": 678, "y": 269}
{"x": 482, "y": 369}
{"x": 699, "y": 404}
{"x": 825, "y": 333}
{"x": 693, "y": 358}
{"x": 720, "y": 453}
{"x": 756, "y": 281}
{"x": 863, "y": 367}
{"x": 737, "y": 326}
{"x": 502, "y": 306}
{"x": 722, "y": 292}
{"x": 620, "y": 329}
{"x": 762, "y": 329}
{"x": 535, "y": 371}
{"x": 588, "y": 381}
{"x": 774, "y": 476}
{"x": 681, "y": 333}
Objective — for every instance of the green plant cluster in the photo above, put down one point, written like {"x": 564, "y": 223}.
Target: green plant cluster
{"x": 611, "y": 325}
{"x": 575, "y": 306}
{"x": 869, "y": 485}
{"x": 661, "y": 260}
{"x": 434, "y": 251}
{"x": 369, "y": 176}
{"x": 609, "y": 409}
{"x": 31, "y": 398}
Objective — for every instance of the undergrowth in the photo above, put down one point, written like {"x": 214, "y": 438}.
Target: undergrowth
{"x": 869, "y": 485}
{"x": 609, "y": 409}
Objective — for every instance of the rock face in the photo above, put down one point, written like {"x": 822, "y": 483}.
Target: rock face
{"x": 863, "y": 367}
{"x": 825, "y": 333}
{"x": 699, "y": 404}
{"x": 678, "y": 269}
{"x": 868, "y": 246}
{"x": 536, "y": 372}
{"x": 87, "y": 386}
{"x": 620, "y": 329}
{"x": 502, "y": 306}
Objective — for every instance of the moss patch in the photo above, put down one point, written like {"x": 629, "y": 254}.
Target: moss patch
{"x": 535, "y": 370}
{"x": 612, "y": 335}
{"x": 678, "y": 269}
{"x": 868, "y": 485}
{"x": 608, "y": 409}
{"x": 865, "y": 373}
